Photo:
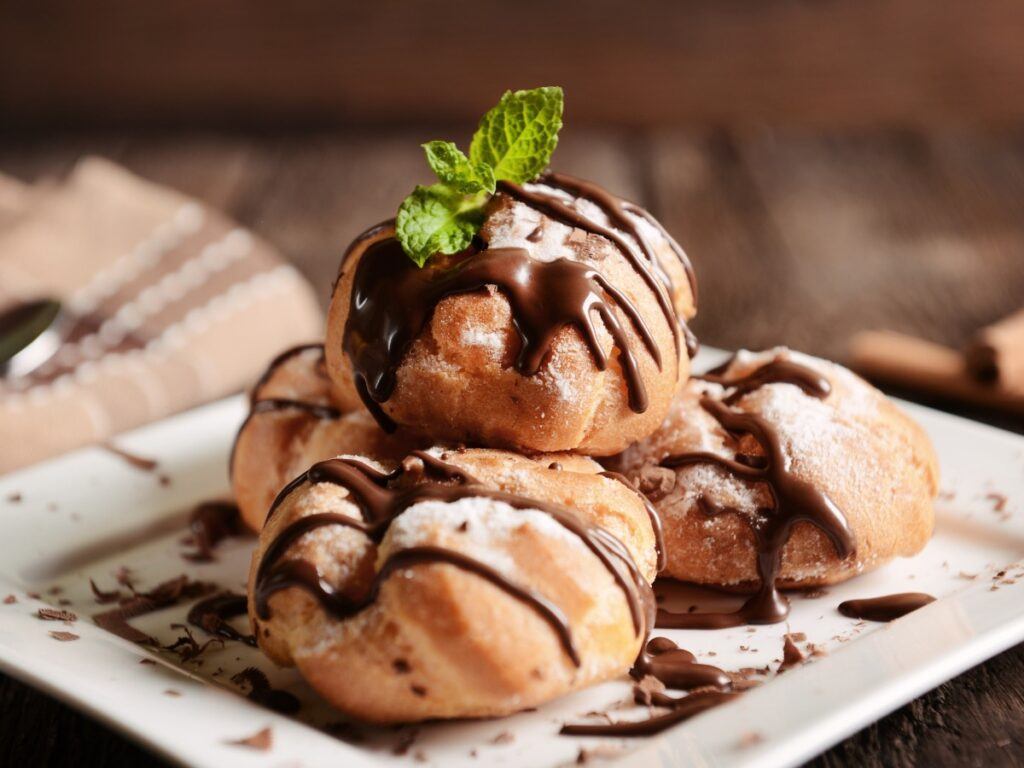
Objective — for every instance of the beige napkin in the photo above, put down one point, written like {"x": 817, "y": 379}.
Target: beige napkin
{"x": 174, "y": 305}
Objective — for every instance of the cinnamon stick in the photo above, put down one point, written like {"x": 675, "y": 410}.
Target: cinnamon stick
{"x": 929, "y": 368}
{"x": 996, "y": 353}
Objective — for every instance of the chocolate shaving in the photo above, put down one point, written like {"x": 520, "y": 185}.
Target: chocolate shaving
{"x": 102, "y": 597}
{"x": 261, "y": 693}
{"x": 791, "y": 655}
{"x": 505, "y": 737}
{"x": 138, "y": 462}
{"x": 172, "y": 692}
{"x": 64, "y": 637}
{"x": 186, "y": 646}
{"x": 262, "y": 740}
{"x": 162, "y": 595}
{"x": 55, "y": 614}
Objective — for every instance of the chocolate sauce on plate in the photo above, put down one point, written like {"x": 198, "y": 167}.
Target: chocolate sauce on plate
{"x": 885, "y": 608}
{"x": 675, "y": 668}
{"x": 210, "y": 523}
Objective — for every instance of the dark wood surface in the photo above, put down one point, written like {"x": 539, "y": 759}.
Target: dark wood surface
{"x": 799, "y": 239}
{"x": 789, "y": 62}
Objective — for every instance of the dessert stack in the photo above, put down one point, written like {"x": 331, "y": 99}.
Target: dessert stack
{"x": 464, "y": 494}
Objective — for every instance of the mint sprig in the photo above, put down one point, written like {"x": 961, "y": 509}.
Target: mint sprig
{"x": 456, "y": 170}
{"x": 514, "y": 142}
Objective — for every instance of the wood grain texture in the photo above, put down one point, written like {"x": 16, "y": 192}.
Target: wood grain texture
{"x": 797, "y": 238}
{"x": 694, "y": 62}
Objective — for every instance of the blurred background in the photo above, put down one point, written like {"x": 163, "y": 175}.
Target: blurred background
{"x": 830, "y": 166}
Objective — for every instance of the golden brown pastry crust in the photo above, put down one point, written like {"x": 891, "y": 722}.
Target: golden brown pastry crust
{"x": 457, "y": 381}
{"x": 872, "y": 460}
{"x": 440, "y": 642}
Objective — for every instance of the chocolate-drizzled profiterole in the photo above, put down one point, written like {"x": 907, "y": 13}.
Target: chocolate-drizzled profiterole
{"x": 781, "y": 470}
{"x": 562, "y": 328}
{"x": 457, "y": 584}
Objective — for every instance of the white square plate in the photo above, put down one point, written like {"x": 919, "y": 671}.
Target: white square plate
{"x": 87, "y": 514}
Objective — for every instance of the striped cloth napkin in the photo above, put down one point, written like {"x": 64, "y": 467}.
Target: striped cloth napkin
{"x": 171, "y": 305}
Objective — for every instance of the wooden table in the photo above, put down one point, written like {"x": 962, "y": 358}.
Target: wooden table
{"x": 797, "y": 239}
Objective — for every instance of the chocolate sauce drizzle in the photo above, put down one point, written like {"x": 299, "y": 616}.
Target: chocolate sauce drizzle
{"x": 393, "y": 300}
{"x": 383, "y": 496}
{"x": 213, "y": 613}
{"x": 885, "y": 608}
{"x": 646, "y": 265}
{"x": 652, "y": 514}
{"x": 793, "y": 500}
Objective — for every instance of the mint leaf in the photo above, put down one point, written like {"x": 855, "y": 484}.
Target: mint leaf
{"x": 517, "y": 137}
{"x": 454, "y": 168}
{"x": 437, "y": 219}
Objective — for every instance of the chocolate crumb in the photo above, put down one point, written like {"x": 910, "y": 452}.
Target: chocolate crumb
{"x": 172, "y": 692}
{"x": 64, "y": 637}
{"x": 14, "y": 498}
{"x": 262, "y": 740}
{"x": 146, "y": 661}
{"x": 791, "y": 655}
{"x": 187, "y": 647}
{"x": 405, "y": 742}
{"x": 64, "y": 602}
{"x": 419, "y": 690}
{"x": 505, "y": 737}
{"x": 644, "y": 690}
{"x": 600, "y": 752}
{"x": 463, "y": 526}
{"x": 10, "y": 600}
{"x": 55, "y": 614}
{"x": 401, "y": 666}
{"x": 419, "y": 756}
{"x": 750, "y": 739}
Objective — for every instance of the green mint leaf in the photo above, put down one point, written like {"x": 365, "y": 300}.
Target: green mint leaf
{"x": 517, "y": 137}
{"x": 438, "y": 219}
{"x": 454, "y": 168}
